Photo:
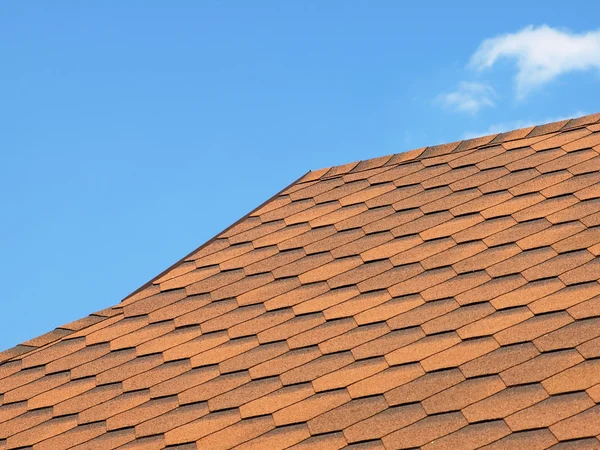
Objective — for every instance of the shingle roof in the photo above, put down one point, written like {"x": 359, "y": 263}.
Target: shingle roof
{"x": 443, "y": 298}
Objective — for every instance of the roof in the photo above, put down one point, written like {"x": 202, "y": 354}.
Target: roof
{"x": 442, "y": 298}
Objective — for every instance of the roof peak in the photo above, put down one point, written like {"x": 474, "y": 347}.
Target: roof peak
{"x": 536, "y": 131}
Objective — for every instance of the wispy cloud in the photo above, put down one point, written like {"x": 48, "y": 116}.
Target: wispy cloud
{"x": 515, "y": 125}
{"x": 541, "y": 54}
{"x": 470, "y": 97}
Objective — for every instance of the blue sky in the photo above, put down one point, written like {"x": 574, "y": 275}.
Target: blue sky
{"x": 132, "y": 132}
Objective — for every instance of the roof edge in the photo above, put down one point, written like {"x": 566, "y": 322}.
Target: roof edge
{"x": 453, "y": 147}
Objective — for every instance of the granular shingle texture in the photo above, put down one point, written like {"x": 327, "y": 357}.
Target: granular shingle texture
{"x": 443, "y": 298}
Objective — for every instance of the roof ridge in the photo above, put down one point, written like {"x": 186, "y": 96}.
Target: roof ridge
{"x": 452, "y": 147}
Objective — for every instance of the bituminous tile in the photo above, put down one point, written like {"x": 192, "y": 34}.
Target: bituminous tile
{"x": 129, "y": 369}
{"x": 422, "y": 175}
{"x": 201, "y": 427}
{"x": 224, "y": 351}
{"x": 472, "y": 436}
{"x": 169, "y": 340}
{"x": 184, "y": 381}
{"x": 505, "y": 403}
{"x": 509, "y": 180}
{"x": 540, "y": 182}
{"x": 495, "y": 322}
{"x": 569, "y": 336}
{"x": 331, "y": 241}
{"x": 394, "y": 221}
{"x": 491, "y": 290}
{"x": 296, "y": 296}
{"x": 565, "y": 298}
{"x": 363, "y": 272}
{"x": 457, "y": 318}
{"x": 522, "y": 262}
{"x": 463, "y": 394}
{"x": 550, "y": 235}
{"x": 504, "y": 158}
{"x": 317, "y": 367}
{"x": 422, "y": 223}
{"x": 586, "y": 272}
{"x": 577, "y": 211}
{"x": 422, "y": 198}
{"x": 141, "y": 413}
{"x": 527, "y": 293}
{"x": 362, "y": 244}
{"x": 531, "y": 440}
{"x": 452, "y": 226}
{"x": 459, "y": 354}
{"x": 231, "y": 251}
{"x": 338, "y": 215}
{"x": 541, "y": 367}
{"x": 384, "y": 423}
{"x": 391, "y": 276}
{"x": 36, "y": 387}
{"x": 575, "y": 378}
{"x": 354, "y": 338}
{"x": 549, "y": 411}
{"x": 195, "y": 346}
{"x": 311, "y": 407}
{"x": 533, "y": 327}
{"x": 286, "y": 210}
{"x": 277, "y": 439}
{"x": 272, "y": 262}
{"x": 312, "y": 213}
{"x": 181, "y": 307}
{"x": 326, "y": 300}
{"x": 322, "y": 442}
{"x": 183, "y": 281}
{"x": 388, "y": 309}
{"x": 321, "y": 333}
{"x": 41, "y": 432}
{"x": 589, "y": 308}
{"x": 545, "y": 208}
{"x": 349, "y": 374}
{"x": 484, "y": 229}
{"x": 387, "y": 343}
{"x": 244, "y": 394}
{"x": 357, "y": 304}
{"x": 499, "y": 360}
{"x": 453, "y": 254}
{"x": 142, "y": 335}
{"x": 478, "y": 179}
{"x": 276, "y": 400}
{"x": 341, "y": 191}
{"x": 584, "y": 424}
{"x": 426, "y": 430}
{"x": 253, "y": 357}
{"x": 423, "y": 348}
{"x": 385, "y": 380}
{"x": 422, "y": 281}
{"x": 452, "y": 201}
{"x": 346, "y": 415}
{"x": 213, "y": 387}
{"x": 294, "y": 326}
{"x": 232, "y": 318}
{"x": 455, "y": 286}
{"x": 422, "y": 314}
{"x": 286, "y": 361}
{"x": 391, "y": 197}
{"x": 516, "y": 232}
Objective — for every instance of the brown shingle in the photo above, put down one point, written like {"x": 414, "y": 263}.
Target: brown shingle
{"x": 424, "y": 431}
{"x": 499, "y": 360}
{"x": 549, "y": 411}
{"x": 505, "y": 403}
{"x": 472, "y": 436}
{"x": 579, "y": 377}
{"x": 423, "y": 387}
{"x": 311, "y": 407}
{"x": 463, "y": 394}
{"x": 541, "y": 367}
{"x": 413, "y": 300}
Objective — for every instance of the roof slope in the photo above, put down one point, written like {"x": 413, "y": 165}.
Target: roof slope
{"x": 445, "y": 298}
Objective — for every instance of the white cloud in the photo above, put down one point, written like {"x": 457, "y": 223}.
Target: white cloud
{"x": 515, "y": 125}
{"x": 541, "y": 54}
{"x": 469, "y": 97}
